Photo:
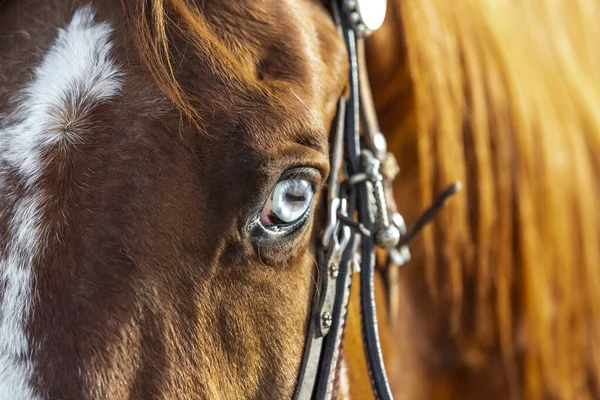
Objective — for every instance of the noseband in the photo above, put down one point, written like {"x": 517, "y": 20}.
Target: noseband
{"x": 361, "y": 214}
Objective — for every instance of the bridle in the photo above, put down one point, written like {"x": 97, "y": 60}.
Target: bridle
{"x": 361, "y": 214}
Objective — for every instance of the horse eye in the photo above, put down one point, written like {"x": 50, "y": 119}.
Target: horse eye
{"x": 288, "y": 202}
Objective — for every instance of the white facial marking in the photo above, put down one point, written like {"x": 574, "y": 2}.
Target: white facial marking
{"x": 75, "y": 74}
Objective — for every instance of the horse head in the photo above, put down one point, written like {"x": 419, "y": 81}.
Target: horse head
{"x": 162, "y": 164}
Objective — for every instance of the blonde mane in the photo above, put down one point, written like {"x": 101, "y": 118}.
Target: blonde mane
{"x": 505, "y": 96}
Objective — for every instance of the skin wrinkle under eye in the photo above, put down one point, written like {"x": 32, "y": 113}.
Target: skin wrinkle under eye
{"x": 76, "y": 73}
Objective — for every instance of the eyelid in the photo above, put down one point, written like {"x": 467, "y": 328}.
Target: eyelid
{"x": 310, "y": 174}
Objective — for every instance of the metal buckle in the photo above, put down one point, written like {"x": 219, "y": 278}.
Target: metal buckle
{"x": 339, "y": 237}
{"x": 387, "y": 235}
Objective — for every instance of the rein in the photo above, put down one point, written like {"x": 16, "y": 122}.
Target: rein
{"x": 361, "y": 214}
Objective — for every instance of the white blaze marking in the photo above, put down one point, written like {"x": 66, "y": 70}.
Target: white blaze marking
{"x": 76, "y": 73}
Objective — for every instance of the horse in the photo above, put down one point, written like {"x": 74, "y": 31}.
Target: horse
{"x": 163, "y": 168}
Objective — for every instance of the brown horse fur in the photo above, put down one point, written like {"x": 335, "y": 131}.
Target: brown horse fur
{"x": 149, "y": 284}
{"x": 505, "y": 286}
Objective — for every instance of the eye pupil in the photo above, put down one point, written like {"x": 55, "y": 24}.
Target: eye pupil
{"x": 294, "y": 198}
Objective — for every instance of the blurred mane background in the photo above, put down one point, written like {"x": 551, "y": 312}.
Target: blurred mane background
{"x": 504, "y": 96}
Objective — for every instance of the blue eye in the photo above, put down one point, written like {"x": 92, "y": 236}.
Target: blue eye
{"x": 288, "y": 202}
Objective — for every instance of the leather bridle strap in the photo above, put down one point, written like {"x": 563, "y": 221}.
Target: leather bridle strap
{"x": 365, "y": 194}
{"x": 324, "y": 338}
{"x": 373, "y": 357}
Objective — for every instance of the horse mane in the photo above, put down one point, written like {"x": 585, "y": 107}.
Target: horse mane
{"x": 505, "y": 96}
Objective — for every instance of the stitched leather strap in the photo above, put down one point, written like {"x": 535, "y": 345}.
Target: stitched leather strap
{"x": 323, "y": 346}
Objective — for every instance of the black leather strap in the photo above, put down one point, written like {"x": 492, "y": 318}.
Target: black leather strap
{"x": 323, "y": 348}
{"x": 322, "y": 352}
{"x": 373, "y": 354}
